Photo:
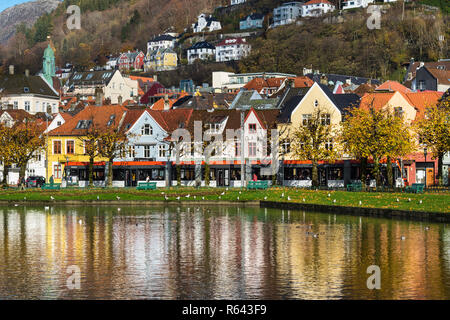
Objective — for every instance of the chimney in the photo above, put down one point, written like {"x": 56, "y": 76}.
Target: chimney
{"x": 324, "y": 80}
{"x": 11, "y": 70}
{"x": 166, "y": 102}
{"x": 348, "y": 81}
{"x": 27, "y": 73}
{"x": 119, "y": 100}
{"x": 98, "y": 97}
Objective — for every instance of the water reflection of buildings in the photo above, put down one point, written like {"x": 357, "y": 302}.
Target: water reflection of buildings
{"x": 217, "y": 252}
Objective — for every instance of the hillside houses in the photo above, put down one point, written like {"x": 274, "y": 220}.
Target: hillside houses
{"x": 131, "y": 61}
{"x": 252, "y": 21}
{"x": 206, "y": 24}
{"x": 232, "y": 49}
{"x": 201, "y": 51}
{"x": 162, "y": 41}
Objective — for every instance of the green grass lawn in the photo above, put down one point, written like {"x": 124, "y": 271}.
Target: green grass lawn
{"x": 431, "y": 202}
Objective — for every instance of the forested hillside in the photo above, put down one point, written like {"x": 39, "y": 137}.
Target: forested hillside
{"x": 337, "y": 43}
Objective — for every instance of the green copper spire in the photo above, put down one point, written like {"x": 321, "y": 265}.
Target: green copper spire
{"x": 48, "y": 68}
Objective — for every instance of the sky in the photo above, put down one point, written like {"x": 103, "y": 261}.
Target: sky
{"x": 9, "y": 3}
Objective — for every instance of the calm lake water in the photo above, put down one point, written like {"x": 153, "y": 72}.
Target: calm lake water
{"x": 217, "y": 253}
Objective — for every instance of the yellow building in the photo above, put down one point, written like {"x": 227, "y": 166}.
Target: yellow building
{"x": 66, "y": 143}
{"x": 297, "y": 110}
{"x": 161, "y": 60}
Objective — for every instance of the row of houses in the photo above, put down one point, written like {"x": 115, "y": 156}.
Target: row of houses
{"x": 151, "y": 154}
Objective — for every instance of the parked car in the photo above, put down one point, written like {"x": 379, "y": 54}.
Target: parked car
{"x": 35, "y": 181}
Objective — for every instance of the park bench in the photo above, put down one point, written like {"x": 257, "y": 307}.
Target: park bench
{"x": 258, "y": 185}
{"x": 357, "y": 186}
{"x": 51, "y": 186}
{"x": 415, "y": 188}
{"x": 146, "y": 186}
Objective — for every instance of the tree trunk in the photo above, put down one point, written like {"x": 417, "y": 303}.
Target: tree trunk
{"x": 91, "y": 172}
{"x": 315, "y": 174}
{"x": 440, "y": 173}
{"x": 376, "y": 170}
{"x": 363, "y": 172}
{"x": 22, "y": 170}
{"x": 178, "y": 175}
{"x": 207, "y": 174}
{"x": 390, "y": 175}
{"x": 5, "y": 176}
{"x": 110, "y": 173}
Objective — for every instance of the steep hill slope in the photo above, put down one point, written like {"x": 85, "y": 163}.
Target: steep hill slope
{"x": 27, "y": 13}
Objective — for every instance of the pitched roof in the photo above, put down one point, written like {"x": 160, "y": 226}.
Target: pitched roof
{"x": 21, "y": 84}
{"x": 251, "y": 98}
{"x": 173, "y": 119}
{"x": 318, "y": 1}
{"x": 231, "y": 42}
{"x": 17, "y": 114}
{"x": 288, "y": 108}
{"x": 162, "y": 37}
{"x": 422, "y": 100}
{"x": 202, "y": 45}
{"x": 91, "y": 77}
{"x": 343, "y": 102}
{"x": 260, "y": 83}
{"x": 334, "y": 78}
{"x": 413, "y": 67}
{"x": 376, "y": 100}
{"x": 99, "y": 116}
{"x": 443, "y": 76}
{"x": 254, "y": 16}
{"x": 392, "y": 86}
{"x": 206, "y": 101}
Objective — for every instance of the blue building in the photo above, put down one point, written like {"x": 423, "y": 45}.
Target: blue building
{"x": 253, "y": 21}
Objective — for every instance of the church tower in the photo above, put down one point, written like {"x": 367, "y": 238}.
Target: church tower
{"x": 48, "y": 65}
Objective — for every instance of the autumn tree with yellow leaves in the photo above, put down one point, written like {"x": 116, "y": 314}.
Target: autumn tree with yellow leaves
{"x": 434, "y": 130}
{"x": 19, "y": 143}
{"x": 112, "y": 144}
{"x": 376, "y": 134}
{"x": 6, "y": 151}
{"x": 313, "y": 140}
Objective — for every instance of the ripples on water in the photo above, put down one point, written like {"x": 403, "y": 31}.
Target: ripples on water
{"x": 217, "y": 253}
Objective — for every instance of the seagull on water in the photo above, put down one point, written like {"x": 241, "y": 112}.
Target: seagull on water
{"x": 282, "y": 195}
{"x": 98, "y": 198}
{"x": 239, "y": 192}
{"x": 334, "y": 201}
{"x": 304, "y": 199}
{"x": 409, "y": 199}
{"x": 265, "y": 198}
{"x": 238, "y": 198}
{"x": 222, "y": 193}
{"x": 203, "y": 198}
{"x": 117, "y": 197}
{"x": 329, "y": 195}
{"x": 420, "y": 202}
{"x": 51, "y": 197}
{"x": 195, "y": 197}
{"x": 397, "y": 200}
{"x": 188, "y": 196}
{"x": 403, "y": 238}
{"x": 118, "y": 209}
{"x": 46, "y": 208}
{"x": 16, "y": 205}
{"x": 178, "y": 198}
{"x": 166, "y": 197}
{"x": 220, "y": 197}
{"x": 360, "y": 202}
{"x": 289, "y": 198}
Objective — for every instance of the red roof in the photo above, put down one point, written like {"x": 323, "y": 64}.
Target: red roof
{"x": 392, "y": 86}
{"x": 318, "y": 1}
{"x": 231, "y": 42}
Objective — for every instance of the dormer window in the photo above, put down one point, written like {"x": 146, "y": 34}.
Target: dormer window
{"x": 146, "y": 130}
{"x": 111, "y": 119}
{"x": 252, "y": 127}
{"x": 83, "y": 124}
